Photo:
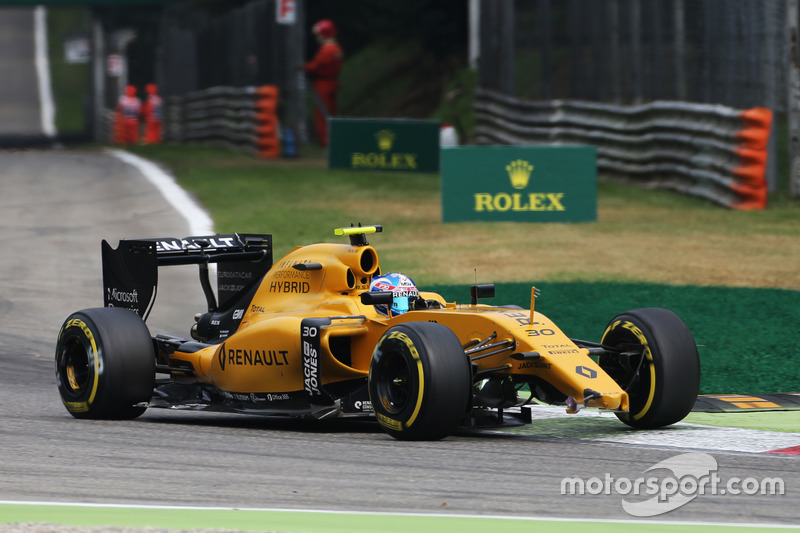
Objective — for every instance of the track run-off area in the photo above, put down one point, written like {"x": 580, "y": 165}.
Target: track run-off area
{"x": 184, "y": 470}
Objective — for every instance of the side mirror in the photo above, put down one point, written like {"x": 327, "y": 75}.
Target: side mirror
{"x": 377, "y": 298}
{"x": 477, "y": 292}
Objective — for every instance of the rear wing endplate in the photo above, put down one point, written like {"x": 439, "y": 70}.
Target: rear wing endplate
{"x": 130, "y": 272}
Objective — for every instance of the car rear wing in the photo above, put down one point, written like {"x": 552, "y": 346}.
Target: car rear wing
{"x": 130, "y": 272}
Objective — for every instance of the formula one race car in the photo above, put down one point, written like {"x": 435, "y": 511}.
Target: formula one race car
{"x": 322, "y": 333}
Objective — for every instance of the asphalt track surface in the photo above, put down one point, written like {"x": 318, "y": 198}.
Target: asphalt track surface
{"x": 56, "y": 206}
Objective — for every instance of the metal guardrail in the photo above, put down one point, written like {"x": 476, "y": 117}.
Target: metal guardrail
{"x": 710, "y": 151}
{"x": 238, "y": 118}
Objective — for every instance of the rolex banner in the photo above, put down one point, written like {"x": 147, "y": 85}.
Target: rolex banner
{"x": 519, "y": 183}
{"x": 384, "y": 144}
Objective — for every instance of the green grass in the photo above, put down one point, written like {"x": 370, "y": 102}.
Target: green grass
{"x": 783, "y": 421}
{"x": 251, "y": 194}
{"x": 746, "y": 336}
{"x": 641, "y": 235}
{"x": 298, "y": 202}
{"x": 288, "y": 521}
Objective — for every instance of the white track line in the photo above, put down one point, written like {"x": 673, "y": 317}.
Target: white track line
{"x": 199, "y": 221}
{"x": 386, "y": 514}
{"x": 46, "y": 105}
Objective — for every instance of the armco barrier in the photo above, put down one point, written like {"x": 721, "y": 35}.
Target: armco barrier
{"x": 711, "y": 151}
{"x": 239, "y": 118}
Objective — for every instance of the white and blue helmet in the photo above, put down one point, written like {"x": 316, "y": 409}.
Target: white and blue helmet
{"x": 403, "y": 290}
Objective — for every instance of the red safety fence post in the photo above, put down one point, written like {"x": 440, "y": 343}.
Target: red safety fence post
{"x": 266, "y": 131}
{"x": 751, "y": 185}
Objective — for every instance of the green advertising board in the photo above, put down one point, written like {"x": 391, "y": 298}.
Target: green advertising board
{"x": 519, "y": 183}
{"x": 384, "y": 144}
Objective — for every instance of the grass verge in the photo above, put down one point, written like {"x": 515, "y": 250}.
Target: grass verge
{"x": 742, "y": 334}
{"x": 95, "y": 518}
{"x": 647, "y": 249}
{"x": 640, "y": 236}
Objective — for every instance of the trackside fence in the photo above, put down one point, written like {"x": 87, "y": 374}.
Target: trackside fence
{"x": 710, "y": 151}
{"x": 238, "y": 118}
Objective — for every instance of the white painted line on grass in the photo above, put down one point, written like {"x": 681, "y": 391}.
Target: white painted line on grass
{"x": 387, "y": 514}
{"x": 199, "y": 221}
{"x": 46, "y": 105}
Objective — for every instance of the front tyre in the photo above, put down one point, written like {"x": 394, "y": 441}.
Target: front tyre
{"x": 105, "y": 364}
{"x": 419, "y": 381}
{"x": 663, "y": 381}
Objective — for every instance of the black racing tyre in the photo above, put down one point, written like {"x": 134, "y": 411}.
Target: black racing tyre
{"x": 419, "y": 381}
{"x": 663, "y": 383}
{"x": 105, "y": 364}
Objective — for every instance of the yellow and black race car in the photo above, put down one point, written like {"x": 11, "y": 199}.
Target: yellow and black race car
{"x": 323, "y": 332}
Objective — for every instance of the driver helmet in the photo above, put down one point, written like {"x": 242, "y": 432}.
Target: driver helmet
{"x": 403, "y": 289}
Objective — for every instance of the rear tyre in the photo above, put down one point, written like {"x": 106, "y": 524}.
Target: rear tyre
{"x": 419, "y": 381}
{"x": 662, "y": 383}
{"x": 105, "y": 364}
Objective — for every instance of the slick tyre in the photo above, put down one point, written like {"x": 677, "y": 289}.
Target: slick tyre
{"x": 663, "y": 382}
{"x": 419, "y": 381}
{"x": 105, "y": 364}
